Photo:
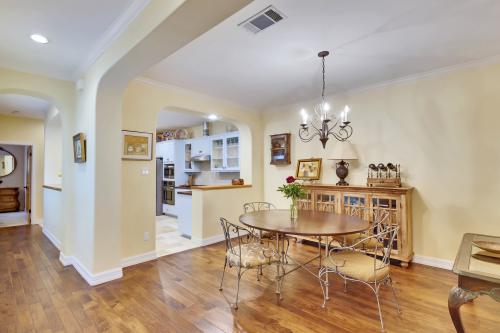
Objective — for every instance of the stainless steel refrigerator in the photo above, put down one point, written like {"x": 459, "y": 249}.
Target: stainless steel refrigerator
{"x": 159, "y": 186}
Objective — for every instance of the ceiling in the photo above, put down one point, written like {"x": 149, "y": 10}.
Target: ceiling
{"x": 171, "y": 118}
{"x": 78, "y": 32}
{"x": 372, "y": 42}
{"x": 26, "y": 106}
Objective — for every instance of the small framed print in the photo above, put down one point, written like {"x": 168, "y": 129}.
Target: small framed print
{"x": 137, "y": 146}
{"x": 309, "y": 169}
{"x": 79, "y": 149}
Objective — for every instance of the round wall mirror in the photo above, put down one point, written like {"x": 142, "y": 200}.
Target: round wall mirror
{"x": 7, "y": 163}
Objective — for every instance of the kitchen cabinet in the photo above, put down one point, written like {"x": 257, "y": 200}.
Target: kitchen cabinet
{"x": 189, "y": 165}
{"x": 165, "y": 149}
{"x": 225, "y": 151}
{"x": 200, "y": 146}
{"x": 184, "y": 212}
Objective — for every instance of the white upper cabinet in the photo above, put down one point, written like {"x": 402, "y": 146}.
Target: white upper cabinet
{"x": 225, "y": 152}
{"x": 200, "y": 146}
{"x": 165, "y": 149}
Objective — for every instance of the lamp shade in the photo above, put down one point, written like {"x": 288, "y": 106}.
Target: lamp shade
{"x": 344, "y": 150}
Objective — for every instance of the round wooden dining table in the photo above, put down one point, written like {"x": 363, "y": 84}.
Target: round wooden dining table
{"x": 308, "y": 223}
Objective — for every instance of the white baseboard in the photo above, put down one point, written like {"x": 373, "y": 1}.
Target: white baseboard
{"x": 434, "y": 262}
{"x": 92, "y": 279}
{"x": 37, "y": 221}
{"x": 138, "y": 259}
{"x": 208, "y": 240}
{"x": 53, "y": 239}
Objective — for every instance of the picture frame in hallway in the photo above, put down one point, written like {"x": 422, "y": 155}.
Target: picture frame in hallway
{"x": 79, "y": 148}
{"x": 137, "y": 146}
{"x": 308, "y": 169}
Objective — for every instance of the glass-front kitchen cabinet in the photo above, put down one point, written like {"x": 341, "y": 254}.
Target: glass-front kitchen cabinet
{"x": 225, "y": 152}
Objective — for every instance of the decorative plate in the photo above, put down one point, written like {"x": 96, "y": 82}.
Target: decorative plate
{"x": 488, "y": 246}
{"x": 181, "y": 133}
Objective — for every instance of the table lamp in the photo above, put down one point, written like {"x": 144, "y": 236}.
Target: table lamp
{"x": 343, "y": 152}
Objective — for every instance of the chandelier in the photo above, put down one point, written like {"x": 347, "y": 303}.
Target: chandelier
{"x": 322, "y": 123}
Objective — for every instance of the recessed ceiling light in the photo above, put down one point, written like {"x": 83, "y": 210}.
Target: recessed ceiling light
{"x": 41, "y": 39}
{"x": 213, "y": 117}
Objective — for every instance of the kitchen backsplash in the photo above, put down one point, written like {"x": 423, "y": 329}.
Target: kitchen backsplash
{"x": 207, "y": 177}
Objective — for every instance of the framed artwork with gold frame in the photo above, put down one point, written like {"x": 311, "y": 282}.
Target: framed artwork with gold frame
{"x": 308, "y": 169}
{"x": 79, "y": 148}
{"x": 137, "y": 146}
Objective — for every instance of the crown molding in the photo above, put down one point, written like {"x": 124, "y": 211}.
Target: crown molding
{"x": 119, "y": 25}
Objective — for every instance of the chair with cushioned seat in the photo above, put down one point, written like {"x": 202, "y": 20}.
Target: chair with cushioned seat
{"x": 244, "y": 251}
{"x": 353, "y": 264}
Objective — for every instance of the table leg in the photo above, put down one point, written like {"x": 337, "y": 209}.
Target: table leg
{"x": 456, "y": 298}
{"x": 327, "y": 282}
{"x": 278, "y": 267}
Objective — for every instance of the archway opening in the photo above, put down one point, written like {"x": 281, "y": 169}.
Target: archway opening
{"x": 193, "y": 150}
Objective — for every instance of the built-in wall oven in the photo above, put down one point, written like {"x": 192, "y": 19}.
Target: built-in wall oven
{"x": 168, "y": 171}
{"x": 169, "y": 192}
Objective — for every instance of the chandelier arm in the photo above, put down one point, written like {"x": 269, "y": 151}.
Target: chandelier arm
{"x": 306, "y": 132}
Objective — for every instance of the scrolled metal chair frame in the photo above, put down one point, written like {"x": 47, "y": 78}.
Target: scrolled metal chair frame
{"x": 261, "y": 206}
{"x": 240, "y": 236}
{"x": 387, "y": 233}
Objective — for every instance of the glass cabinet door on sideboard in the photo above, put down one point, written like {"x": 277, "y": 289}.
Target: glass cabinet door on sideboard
{"x": 364, "y": 202}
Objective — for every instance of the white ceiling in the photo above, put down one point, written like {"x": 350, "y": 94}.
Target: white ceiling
{"x": 179, "y": 118}
{"x": 78, "y": 32}
{"x": 372, "y": 41}
{"x": 26, "y": 106}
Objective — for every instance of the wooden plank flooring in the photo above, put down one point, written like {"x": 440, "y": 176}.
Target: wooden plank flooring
{"x": 179, "y": 293}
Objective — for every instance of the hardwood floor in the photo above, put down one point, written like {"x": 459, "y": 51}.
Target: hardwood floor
{"x": 179, "y": 293}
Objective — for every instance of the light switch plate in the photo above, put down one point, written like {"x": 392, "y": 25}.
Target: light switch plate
{"x": 145, "y": 171}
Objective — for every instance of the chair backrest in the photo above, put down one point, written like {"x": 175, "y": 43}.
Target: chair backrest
{"x": 233, "y": 235}
{"x": 385, "y": 240}
{"x": 256, "y": 206}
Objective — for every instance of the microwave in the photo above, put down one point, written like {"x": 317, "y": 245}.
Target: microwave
{"x": 168, "y": 171}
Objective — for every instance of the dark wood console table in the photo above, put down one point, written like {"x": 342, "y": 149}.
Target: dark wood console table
{"x": 477, "y": 275}
{"x": 9, "y": 199}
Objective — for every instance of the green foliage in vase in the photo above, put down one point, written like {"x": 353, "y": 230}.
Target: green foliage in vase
{"x": 292, "y": 189}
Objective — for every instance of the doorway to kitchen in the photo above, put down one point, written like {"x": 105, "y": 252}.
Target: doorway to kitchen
{"x": 15, "y": 184}
{"x": 192, "y": 150}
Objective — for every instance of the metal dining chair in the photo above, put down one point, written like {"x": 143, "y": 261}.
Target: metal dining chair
{"x": 372, "y": 268}
{"x": 269, "y": 236}
{"x": 244, "y": 252}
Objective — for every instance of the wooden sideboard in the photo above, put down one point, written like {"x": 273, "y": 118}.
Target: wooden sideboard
{"x": 349, "y": 200}
{"x": 9, "y": 199}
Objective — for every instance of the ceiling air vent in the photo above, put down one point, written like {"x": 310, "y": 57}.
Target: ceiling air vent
{"x": 262, "y": 20}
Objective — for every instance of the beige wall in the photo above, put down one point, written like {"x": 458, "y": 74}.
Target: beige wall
{"x": 25, "y": 131}
{"x": 141, "y": 104}
{"x": 53, "y": 148}
{"x": 443, "y": 129}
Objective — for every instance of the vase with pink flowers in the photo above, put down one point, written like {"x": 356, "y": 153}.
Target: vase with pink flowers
{"x": 295, "y": 191}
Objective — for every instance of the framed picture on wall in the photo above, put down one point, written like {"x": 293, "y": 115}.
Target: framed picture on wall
{"x": 308, "y": 169}
{"x": 79, "y": 148}
{"x": 137, "y": 146}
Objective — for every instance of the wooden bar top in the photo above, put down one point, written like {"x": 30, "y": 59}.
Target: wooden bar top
{"x": 218, "y": 187}
{"x": 53, "y": 187}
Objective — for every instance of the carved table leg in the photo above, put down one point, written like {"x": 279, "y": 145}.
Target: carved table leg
{"x": 457, "y": 297}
